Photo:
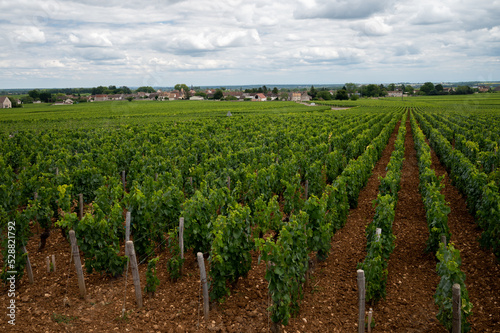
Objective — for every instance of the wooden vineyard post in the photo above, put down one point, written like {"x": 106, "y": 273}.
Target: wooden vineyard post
{"x": 29, "y": 270}
{"x": 57, "y": 171}
{"x": 229, "y": 183}
{"x": 130, "y": 251}
{"x": 443, "y": 240}
{"x": 80, "y": 200}
{"x": 457, "y": 306}
{"x": 361, "y": 302}
{"x": 78, "y": 264}
{"x": 307, "y": 189}
{"x": 203, "y": 278}
{"x": 47, "y": 262}
{"x": 369, "y": 323}
{"x": 378, "y": 233}
{"x": 191, "y": 181}
{"x": 54, "y": 262}
{"x": 123, "y": 181}
{"x": 128, "y": 219}
{"x": 156, "y": 177}
{"x": 181, "y": 240}
{"x": 35, "y": 198}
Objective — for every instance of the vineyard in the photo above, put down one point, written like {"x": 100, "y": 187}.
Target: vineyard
{"x": 285, "y": 202}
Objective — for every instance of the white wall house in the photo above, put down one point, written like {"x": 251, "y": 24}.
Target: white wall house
{"x": 5, "y": 103}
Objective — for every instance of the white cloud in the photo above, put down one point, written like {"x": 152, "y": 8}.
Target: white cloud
{"x": 31, "y": 35}
{"x": 190, "y": 43}
{"x": 433, "y": 14}
{"x": 374, "y": 27}
{"x": 342, "y": 9}
{"x": 90, "y": 39}
{"x": 238, "y": 41}
{"x": 54, "y": 63}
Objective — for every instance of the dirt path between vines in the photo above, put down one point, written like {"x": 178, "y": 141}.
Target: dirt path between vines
{"x": 330, "y": 303}
{"x": 479, "y": 265}
{"x": 412, "y": 280}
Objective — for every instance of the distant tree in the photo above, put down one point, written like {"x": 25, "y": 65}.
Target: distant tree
{"x": 185, "y": 88}
{"x": 34, "y": 94}
{"x": 231, "y": 98}
{"x": 264, "y": 89}
{"x": 201, "y": 93}
{"x": 181, "y": 86}
{"x": 275, "y": 91}
{"x": 409, "y": 90}
{"x": 439, "y": 88}
{"x": 99, "y": 90}
{"x": 45, "y": 97}
{"x": 391, "y": 87}
{"x": 218, "y": 94}
{"x": 146, "y": 89}
{"x": 312, "y": 92}
{"x": 463, "y": 90}
{"x": 260, "y": 90}
{"x": 130, "y": 98}
{"x": 324, "y": 94}
{"x": 284, "y": 96}
{"x": 125, "y": 90}
{"x": 371, "y": 90}
{"x": 383, "y": 90}
{"x": 341, "y": 95}
{"x": 26, "y": 99}
{"x": 14, "y": 103}
{"x": 351, "y": 87}
{"x": 354, "y": 97}
{"x": 427, "y": 88}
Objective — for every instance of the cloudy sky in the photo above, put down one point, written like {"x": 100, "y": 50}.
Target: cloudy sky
{"x": 62, "y": 43}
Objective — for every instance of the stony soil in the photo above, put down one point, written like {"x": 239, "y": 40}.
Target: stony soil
{"x": 330, "y": 302}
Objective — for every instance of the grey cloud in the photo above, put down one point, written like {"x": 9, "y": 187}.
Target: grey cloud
{"x": 100, "y": 54}
{"x": 342, "y": 9}
{"x": 433, "y": 14}
{"x": 198, "y": 44}
{"x": 406, "y": 49}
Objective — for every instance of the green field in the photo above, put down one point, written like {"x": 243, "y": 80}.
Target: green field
{"x": 115, "y": 113}
{"x": 280, "y": 168}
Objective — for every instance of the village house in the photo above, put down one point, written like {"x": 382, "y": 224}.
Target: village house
{"x": 5, "y": 102}
{"x": 100, "y": 98}
{"x": 304, "y": 97}
{"x": 260, "y": 98}
{"x": 396, "y": 93}
{"x": 295, "y": 96}
{"x": 116, "y": 97}
{"x": 236, "y": 94}
{"x": 196, "y": 98}
{"x": 67, "y": 101}
{"x": 271, "y": 96}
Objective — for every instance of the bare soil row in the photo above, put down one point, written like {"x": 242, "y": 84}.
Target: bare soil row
{"x": 330, "y": 302}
